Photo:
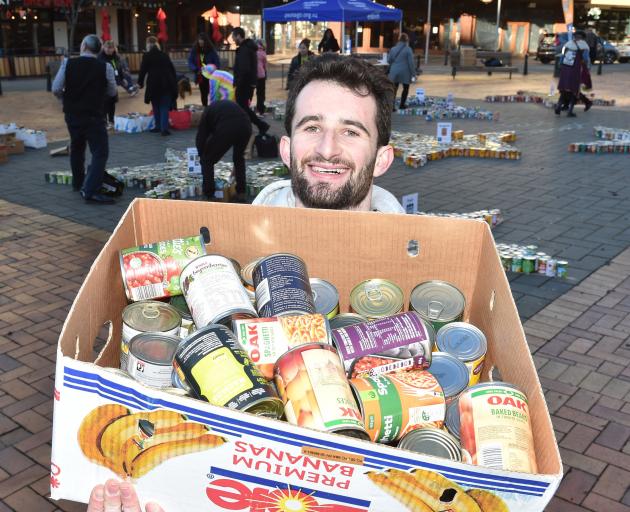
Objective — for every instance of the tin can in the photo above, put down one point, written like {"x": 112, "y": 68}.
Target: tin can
{"x": 346, "y": 319}
{"x": 451, "y": 421}
{"x": 550, "y": 271}
{"x": 517, "y": 262}
{"x": 146, "y": 316}
{"x": 325, "y": 297}
{"x": 542, "y": 264}
{"x": 152, "y": 271}
{"x": 467, "y": 343}
{"x": 496, "y": 430}
{"x": 393, "y": 405}
{"x": 562, "y": 269}
{"x": 219, "y": 371}
{"x": 214, "y": 292}
{"x": 151, "y": 359}
{"x": 179, "y": 303}
{"x": 248, "y": 278}
{"x": 529, "y": 264}
{"x": 451, "y": 373}
{"x": 376, "y": 298}
{"x": 506, "y": 260}
{"x": 438, "y": 302}
{"x": 313, "y": 386}
{"x": 282, "y": 286}
{"x": 266, "y": 339}
{"x": 403, "y": 335}
{"x": 432, "y": 441}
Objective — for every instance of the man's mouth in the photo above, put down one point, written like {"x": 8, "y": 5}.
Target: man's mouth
{"x": 327, "y": 169}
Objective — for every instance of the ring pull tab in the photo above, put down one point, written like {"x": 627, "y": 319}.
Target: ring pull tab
{"x": 435, "y": 312}
{"x": 150, "y": 311}
{"x": 373, "y": 293}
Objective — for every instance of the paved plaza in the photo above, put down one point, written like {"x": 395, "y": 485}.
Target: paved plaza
{"x": 573, "y": 206}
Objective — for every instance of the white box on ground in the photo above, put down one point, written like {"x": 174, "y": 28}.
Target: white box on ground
{"x": 444, "y": 132}
{"x": 410, "y": 203}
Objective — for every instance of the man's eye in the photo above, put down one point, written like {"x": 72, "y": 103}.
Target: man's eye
{"x": 352, "y": 133}
{"x": 311, "y": 128}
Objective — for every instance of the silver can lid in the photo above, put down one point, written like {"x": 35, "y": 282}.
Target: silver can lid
{"x": 462, "y": 340}
{"x": 438, "y": 300}
{"x": 154, "y": 348}
{"x": 346, "y": 319}
{"x": 452, "y": 420}
{"x": 325, "y": 296}
{"x": 450, "y": 372}
{"x": 151, "y": 316}
{"x": 432, "y": 441}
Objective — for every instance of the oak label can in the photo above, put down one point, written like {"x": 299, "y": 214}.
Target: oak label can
{"x": 467, "y": 343}
{"x": 395, "y": 404}
{"x": 146, "y": 316}
{"x": 214, "y": 292}
{"x": 312, "y": 384}
{"x": 219, "y": 371}
{"x": 495, "y": 428}
{"x": 151, "y": 359}
{"x": 152, "y": 271}
{"x": 282, "y": 286}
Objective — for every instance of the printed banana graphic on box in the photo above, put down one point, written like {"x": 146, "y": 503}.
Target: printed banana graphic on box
{"x": 426, "y": 491}
{"x": 131, "y": 445}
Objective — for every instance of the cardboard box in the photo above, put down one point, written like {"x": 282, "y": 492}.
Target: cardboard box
{"x": 258, "y": 461}
{"x": 15, "y": 147}
{"x": 4, "y": 154}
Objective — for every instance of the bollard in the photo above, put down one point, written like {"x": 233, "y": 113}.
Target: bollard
{"x": 445, "y": 57}
{"x": 599, "y": 67}
{"x": 525, "y": 70}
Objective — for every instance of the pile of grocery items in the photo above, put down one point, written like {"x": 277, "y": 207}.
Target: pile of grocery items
{"x": 527, "y": 259}
{"x": 265, "y": 338}
{"x": 20, "y": 137}
{"x": 493, "y": 217}
{"x": 435, "y": 108}
{"x": 417, "y": 150}
{"x": 549, "y": 101}
{"x": 616, "y": 140}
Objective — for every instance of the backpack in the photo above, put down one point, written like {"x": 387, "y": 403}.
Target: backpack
{"x": 112, "y": 186}
{"x": 266, "y": 146}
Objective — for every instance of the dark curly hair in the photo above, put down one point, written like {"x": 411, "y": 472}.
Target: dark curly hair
{"x": 355, "y": 74}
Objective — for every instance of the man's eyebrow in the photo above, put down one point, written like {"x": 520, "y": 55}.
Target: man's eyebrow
{"x": 308, "y": 119}
{"x": 356, "y": 124}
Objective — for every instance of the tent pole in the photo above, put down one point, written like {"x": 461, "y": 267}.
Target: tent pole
{"x": 343, "y": 36}
{"x": 356, "y": 34}
{"x": 428, "y": 35}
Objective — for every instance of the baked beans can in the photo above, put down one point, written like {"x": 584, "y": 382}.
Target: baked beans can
{"x": 217, "y": 370}
{"x": 146, "y": 316}
{"x": 432, "y": 441}
{"x": 451, "y": 373}
{"x": 325, "y": 297}
{"x": 467, "y": 343}
{"x": 346, "y": 319}
{"x": 151, "y": 359}
{"x": 451, "y": 421}
{"x": 282, "y": 286}
{"x": 438, "y": 302}
{"x": 403, "y": 335}
{"x": 214, "y": 292}
{"x": 376, "y": 298}
{"x": 266, "y": 339}
{"x": 394, "y": 404}
{"x": 496, "y": 431}
{"x": 313, "y": 386}
{"x": 152, "y": 271}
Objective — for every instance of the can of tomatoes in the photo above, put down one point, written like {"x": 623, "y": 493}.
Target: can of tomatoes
{"x": 151, "y": 359}
{"x": 152, "y": 271}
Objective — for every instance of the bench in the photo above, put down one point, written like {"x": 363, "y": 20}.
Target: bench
{"x": 480, "y": 56}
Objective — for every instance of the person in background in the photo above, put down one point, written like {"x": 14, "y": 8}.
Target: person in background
{"x": 261, "y": 55}
{"x": 401, "y": 68}
{"x": 303, "y": 56}
{"x": 575, "y": 55}
{"x": 591, "y": 39}
{"x": 121, "y": 70}
{"x": 84, "y": 83}
{"x": 245, "y": 73}
{"x": 223, "y": 125}
{"x": 201, "y": 54}
{"x": 115, "y": 496}
{"x": 328, "y": 43}
{"x": 161, "y": 89}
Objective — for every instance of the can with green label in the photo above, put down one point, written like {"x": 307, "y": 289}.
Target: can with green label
{"x": 438, "y": 302}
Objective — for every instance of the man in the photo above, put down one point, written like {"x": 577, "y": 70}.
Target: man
{"x": 223, "y": 125}
{"x": 338, "y": 121}
{"x": 84, "y": 83}
{"x": 246, "y": 75}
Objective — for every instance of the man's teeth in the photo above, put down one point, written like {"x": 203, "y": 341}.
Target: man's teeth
{"x": 327, "y": 171}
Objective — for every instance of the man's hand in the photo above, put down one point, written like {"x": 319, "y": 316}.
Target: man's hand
{"x": 117, "y": 496}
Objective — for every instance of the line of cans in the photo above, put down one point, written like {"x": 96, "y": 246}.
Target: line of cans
{"x": 528, "y": 260}
{"x": 604, "y": 146}
{"x": 492, "y": 217}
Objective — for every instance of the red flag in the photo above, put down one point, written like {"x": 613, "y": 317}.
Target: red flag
{"x": 163, "y": 33}
{"x": 106, "y": 36}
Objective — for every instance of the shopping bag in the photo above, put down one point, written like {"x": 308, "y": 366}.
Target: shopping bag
{"x": 180, "y": 119}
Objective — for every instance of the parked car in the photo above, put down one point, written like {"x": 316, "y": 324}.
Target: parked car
{"x": 608, "y": 52}
{"x": 624, "y": 49}
{"x": 546, "y": 48}
{"x": 550, "y": 47}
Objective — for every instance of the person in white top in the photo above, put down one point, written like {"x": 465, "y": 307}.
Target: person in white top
{"x": 338, "y": 121}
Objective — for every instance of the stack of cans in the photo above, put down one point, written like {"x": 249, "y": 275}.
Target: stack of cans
{"x": 492, "y": 217}
{"x": 434, "y": 108}
{"x": 528, "y": 260}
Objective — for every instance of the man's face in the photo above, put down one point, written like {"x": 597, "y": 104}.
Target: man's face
{"x": 332, "y": 152}
{"x": 109, "y": 50}
{"x": 237, "y": 39}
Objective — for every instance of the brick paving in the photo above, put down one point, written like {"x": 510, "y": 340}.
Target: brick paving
{"x": 571, "y": 205}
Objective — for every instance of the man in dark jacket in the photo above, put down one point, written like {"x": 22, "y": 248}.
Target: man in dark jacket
{"x": 84, "y": 83}
{"x": 246, "y": 75}
{"x": 223, "y": 125}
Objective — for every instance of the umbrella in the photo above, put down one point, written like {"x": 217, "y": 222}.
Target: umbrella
{"x": 163, "y": 33}
{"x": 105, "y": 26}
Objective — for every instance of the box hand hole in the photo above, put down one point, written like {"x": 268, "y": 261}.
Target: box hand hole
{"x": 492, "y": 297}
{"x": 205, "y": 233}
{"x": 413, "y": 248}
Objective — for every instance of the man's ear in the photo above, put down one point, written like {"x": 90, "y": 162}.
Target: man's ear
{"x": 285, "y": 150}
{"x": 384, "y": 159}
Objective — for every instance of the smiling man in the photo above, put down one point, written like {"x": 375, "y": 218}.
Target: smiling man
{"x": 338, "y": 121}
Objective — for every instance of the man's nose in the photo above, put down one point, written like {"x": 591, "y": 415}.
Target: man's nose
{"x": 328, "y": 144}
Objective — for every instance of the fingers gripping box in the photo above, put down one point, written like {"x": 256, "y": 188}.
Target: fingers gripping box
{"x": 188, "y": 455}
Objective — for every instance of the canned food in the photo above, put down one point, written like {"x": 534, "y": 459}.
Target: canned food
{"x": 311, "y": 381}
{"x": 550, "y": 271}
{"x": 266, "y": 339}
{"x": 466, "y": 343}
{"x": 529, "y": 264}
{"x": 179, "y": 303}
{"x": 438, "y": 302}
{"x": 146, "y": 316}
{"x": 282, "y": 286}
{"x": 346, "y": 319}
{"x": 451, "y": 373}
{"x": 403, "y": 335}
{"x": 506, "y": 260}
{"x": 152, "y": 271}
{"x": 214, "y": 292}
{"x": 542, "y": 265}
{"x": 451, "y": 421}
{"x": 517, "y": 263}
{"x": 151, "y": 359}
{"x": 248, "y": 279}
{"x": 394, "y": 404}
{"x": 219, "y": 371}
{"x": 376, "y": 298}
{"x": 179, "y": 383}
{"x": 562, "y": 269}
{"x": 432, "y": 441}
{"x": 496, "y": 430}
{"x": 326, "y": 297}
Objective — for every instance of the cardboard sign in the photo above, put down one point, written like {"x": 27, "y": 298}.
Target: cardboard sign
{"x": 410, "y": 203}
{"x": 194, "y": 165}
{"x": 420, "y": 95}
{"x": 444, "y": 131}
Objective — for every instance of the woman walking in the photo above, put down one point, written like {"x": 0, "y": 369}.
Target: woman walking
{"x": 202, "y": 54}
{"x": 161, "y": 91}
{"x": 401, "y": 68}
{"x": 575, "y": 58}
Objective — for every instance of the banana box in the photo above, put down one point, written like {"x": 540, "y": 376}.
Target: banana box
{"x": 189, "y": 455}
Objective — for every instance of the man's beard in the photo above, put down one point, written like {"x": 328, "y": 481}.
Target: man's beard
{"x": 323, "y": 195}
